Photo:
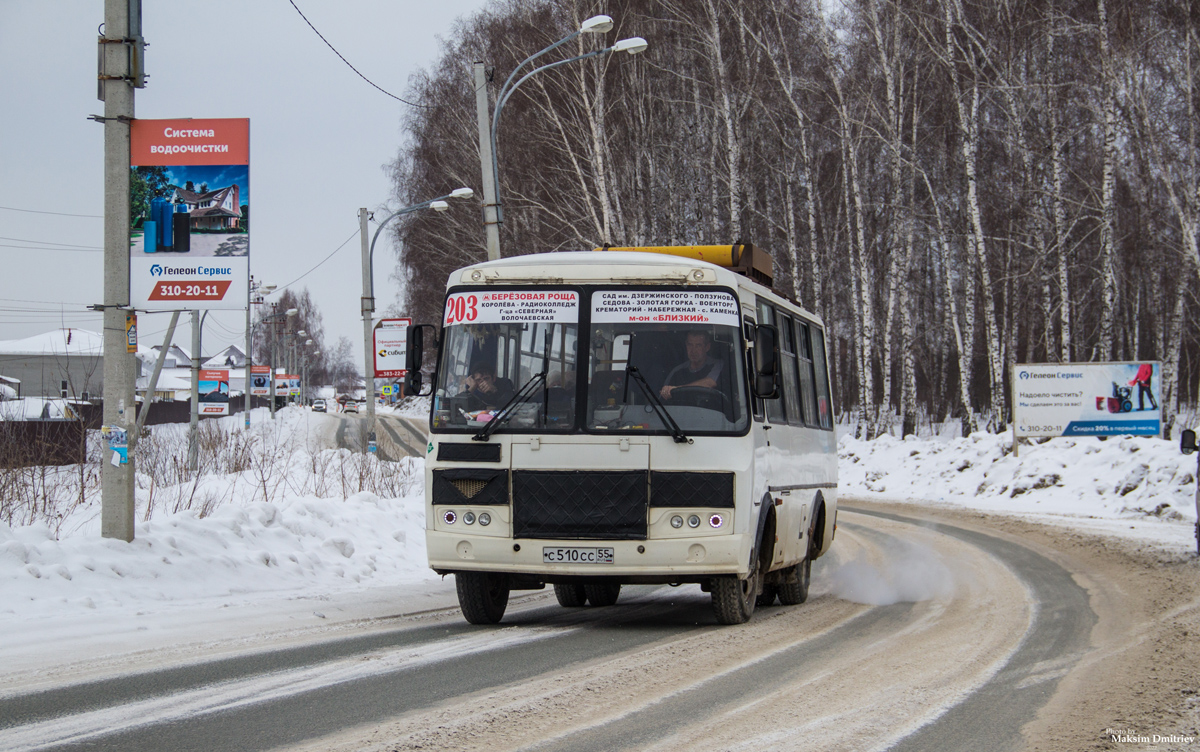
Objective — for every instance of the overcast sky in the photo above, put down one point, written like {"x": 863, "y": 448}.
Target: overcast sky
{"x": 320, "y": 138}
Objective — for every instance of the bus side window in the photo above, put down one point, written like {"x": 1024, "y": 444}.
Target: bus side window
{"x": 775, "y": 410}
{"x": 808, "y": 394}
{"x": 756, "y": 405}
{"x": 824, "y": 403}
{"x": 787, "y": 351}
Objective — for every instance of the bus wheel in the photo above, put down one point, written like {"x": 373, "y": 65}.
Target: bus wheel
{"x": 482, "y": 596}
{"x": 767, "y": 597}
{"x": 734, "y": 599}
{"x": 794, "y": 589}
{"x": 603, "y": 594}
{"x": 570, "y": 595}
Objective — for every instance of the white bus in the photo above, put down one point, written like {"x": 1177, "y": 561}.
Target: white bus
{"x": 633, "y": 416}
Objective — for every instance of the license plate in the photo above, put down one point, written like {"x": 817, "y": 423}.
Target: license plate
{"x": 561, "y": 555}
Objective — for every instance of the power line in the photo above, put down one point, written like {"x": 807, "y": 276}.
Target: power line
{"x": 57, "y": 214}
{"x": 322, "y": 261}
{"x": 347, "y": 62}
{"x": 47, "y": 248}
{"x": 46, "y": 242}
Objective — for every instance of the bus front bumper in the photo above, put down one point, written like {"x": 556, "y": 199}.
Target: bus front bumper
{"x": 662, "y": 560}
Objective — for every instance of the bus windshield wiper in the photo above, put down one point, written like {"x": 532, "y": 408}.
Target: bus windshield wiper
{"x": 503, "y": 414}
{"x": 676, "y": 432}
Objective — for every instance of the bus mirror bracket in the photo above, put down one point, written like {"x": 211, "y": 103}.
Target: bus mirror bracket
{"x": 414, "y": 359}
{"x": 766, "y": 361}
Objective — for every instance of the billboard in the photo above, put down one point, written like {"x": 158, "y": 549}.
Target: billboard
{"x": 260, "y": 381}
{"x": 189, "y": 191}
{"x": 1087, "y": 399}
{"x": 214, "y": 393}
{"x": 391, "y": 347}
{"x": 281, "y": 384}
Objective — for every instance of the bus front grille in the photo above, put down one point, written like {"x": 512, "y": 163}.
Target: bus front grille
{"x": 580, "y": 504}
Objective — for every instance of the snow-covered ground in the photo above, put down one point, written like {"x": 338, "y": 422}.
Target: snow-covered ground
{"x": 285, "y": 537}
{"x": 1133, "y": 487}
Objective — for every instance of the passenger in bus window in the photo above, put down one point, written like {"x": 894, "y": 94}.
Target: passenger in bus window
{"x": 484, "y": 387}
{"x": 700, "y": 369}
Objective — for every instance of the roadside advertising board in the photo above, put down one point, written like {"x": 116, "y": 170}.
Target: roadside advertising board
{"x": 1087, "y": 399}
{"x": 214, "y": 393}
{"x": 281, "y": 384}
{"x": 293, "y": 385}
{"x": 260, "y": 381}
{"x": 391, "y": 348}
{"x": 189, "y": 190}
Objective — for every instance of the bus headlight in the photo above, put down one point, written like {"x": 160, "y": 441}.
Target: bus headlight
{"x": 449, "y": 517}
{"x": 716, "y": 520}
{"x": 677, "y": 521}
{"x": 485, "y": 519}
{"x": 694, "y": 520}
{"x": 469, "y": 518}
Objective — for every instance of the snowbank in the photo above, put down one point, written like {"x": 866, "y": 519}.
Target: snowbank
{"x": 1121, "y": 478}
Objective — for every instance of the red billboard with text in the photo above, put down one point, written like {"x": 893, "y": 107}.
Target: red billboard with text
{"x": 189, "y": 191}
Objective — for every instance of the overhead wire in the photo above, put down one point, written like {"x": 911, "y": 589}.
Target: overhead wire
{"x": 319, "y": 263}
{"x": 57, "y": 214}
{"x": 347, "y": 62}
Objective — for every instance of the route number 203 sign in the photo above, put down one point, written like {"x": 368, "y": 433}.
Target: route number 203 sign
{"x": 512, "y": 307}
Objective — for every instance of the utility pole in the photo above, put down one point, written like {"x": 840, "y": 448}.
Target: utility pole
{"x": 194, "y": 422}
{"x": 491, "y": 215}
{"x": 249, "y": 342}
{"x": 120, "y": 72}
{"x": 368, "y": 308}
{"x": 274, "y": 337}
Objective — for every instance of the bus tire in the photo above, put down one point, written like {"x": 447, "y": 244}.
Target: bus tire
{"x": 794, "y": 589}
{"x": 570, "y": 595}
{"x": 482, "y": 596}
{"x": 603, "y": 593}
{"x": 734, "y": 599}
{"x": 767, "y": 597}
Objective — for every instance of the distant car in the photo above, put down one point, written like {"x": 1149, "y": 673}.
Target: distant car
{"x": 351, "y": 407}
{"x": 318, "y": 406}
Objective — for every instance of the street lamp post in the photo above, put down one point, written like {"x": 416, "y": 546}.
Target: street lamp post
{"x": 489, "y": 163}
{"x": 438, "y": 204}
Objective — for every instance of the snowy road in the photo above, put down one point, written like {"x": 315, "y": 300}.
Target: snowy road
{"x": 918, "y": 635}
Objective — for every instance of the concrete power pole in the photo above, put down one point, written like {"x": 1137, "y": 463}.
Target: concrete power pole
{"x": 249, "y": 345}
{"x": 368, "y": 308}
{"x": 194, "y": 422}
{"x": 120, "y": 54}
{"x": 491, "y": 217}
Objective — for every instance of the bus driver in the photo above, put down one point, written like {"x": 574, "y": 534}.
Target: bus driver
{"x": 698, "y": 370}
{"x": 485, "y": 389}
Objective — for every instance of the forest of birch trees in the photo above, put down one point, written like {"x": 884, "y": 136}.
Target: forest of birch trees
{"x": 954, "y": 186}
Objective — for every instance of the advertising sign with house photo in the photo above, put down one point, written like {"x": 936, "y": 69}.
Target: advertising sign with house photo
{"x": 189, "y": 189}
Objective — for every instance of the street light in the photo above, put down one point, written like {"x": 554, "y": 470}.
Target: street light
{"x": 595, "y": 24}
{"x": 438, "y": 204}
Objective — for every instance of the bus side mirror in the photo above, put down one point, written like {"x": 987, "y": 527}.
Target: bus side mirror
{"x": 414, "y": 359}
{"x": 1187, "y": 441}
{"x": 766, "y": 362}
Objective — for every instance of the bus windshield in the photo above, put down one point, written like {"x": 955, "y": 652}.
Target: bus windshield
{"x": 679, "y": 349}
{"x": 496, "y": 343}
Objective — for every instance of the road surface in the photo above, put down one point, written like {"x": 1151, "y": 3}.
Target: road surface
{"x": 926, "y": 630}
